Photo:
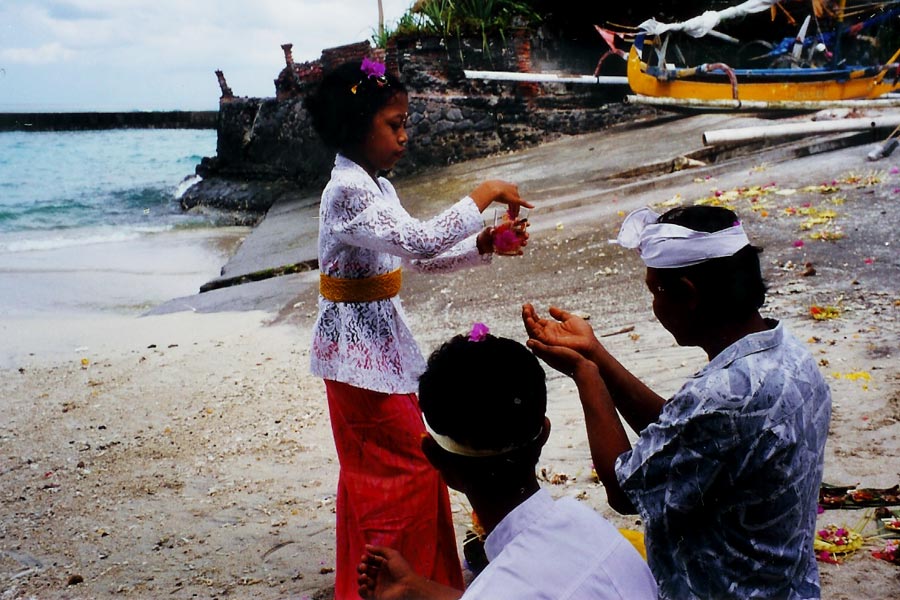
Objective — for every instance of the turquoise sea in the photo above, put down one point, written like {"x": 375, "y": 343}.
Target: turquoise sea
{"x": 72, "y": 188}
{"x": 90, "y": 220}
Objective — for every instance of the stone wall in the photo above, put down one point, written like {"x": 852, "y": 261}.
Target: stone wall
{"x": 267, "y": 149}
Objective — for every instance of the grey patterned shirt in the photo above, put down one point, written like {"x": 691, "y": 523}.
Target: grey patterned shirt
{"x": 727, "y": 479}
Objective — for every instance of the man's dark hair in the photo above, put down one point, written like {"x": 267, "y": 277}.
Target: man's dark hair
{"x": 731, "y": 286}
{"x": 487, "y": 395}
{"x": 345, "y": 101}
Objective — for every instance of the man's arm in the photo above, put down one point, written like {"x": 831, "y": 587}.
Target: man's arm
{"x": 639, "y": 405}
{"x": 606, "y": 435}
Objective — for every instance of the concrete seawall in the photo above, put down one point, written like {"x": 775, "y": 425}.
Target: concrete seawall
{"x": 175, "y": 119}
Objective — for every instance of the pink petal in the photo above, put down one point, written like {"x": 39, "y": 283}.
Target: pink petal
{"x": 479, "y": 332}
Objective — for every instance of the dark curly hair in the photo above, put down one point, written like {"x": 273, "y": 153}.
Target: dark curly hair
{"x": 730, "y": 286}
{"x": 488, "y": 395}
{"x": 341, "y": 117}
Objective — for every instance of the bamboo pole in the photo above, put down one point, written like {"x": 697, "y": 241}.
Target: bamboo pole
{"x": 744, "y": 134}
{"x": 761, "y": 105}
{"x": 544, "y": 77}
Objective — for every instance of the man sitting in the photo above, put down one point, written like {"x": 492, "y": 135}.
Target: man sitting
{"x": 726, "y": 473}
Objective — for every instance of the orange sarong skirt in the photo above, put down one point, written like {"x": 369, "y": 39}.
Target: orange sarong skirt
{"x": 388, "y": 492}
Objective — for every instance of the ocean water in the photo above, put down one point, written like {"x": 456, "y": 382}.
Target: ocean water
{"x": 90, "y": 221}
{"x": 61, "y": 189}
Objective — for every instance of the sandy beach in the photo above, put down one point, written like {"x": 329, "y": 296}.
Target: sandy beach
{"x": 190, "y": 455}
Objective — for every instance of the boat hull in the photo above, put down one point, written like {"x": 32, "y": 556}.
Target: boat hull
{"x": 773, "y": 85}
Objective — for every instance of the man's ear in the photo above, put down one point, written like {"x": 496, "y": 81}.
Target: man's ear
{"x": 441, "y": 460}
{"x": 545, "y": 433}
{"x": 432, "y": 451}
{"x": 691, "y": 297}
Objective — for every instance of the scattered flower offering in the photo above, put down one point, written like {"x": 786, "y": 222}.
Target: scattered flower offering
{"x": 827, "y": 236}
{"x": 854, "y": 376}
{"x": 865, "y": 180}
{"x": 821, "y": 189}
{"x": 822, "y": 313}
{"x": 833, "y": 542}
{"x": 890, "y": 552}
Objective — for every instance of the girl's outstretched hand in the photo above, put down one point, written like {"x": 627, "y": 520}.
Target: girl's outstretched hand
{"x": 565, "y": 330}
{"x": 486, "y": 245}
{"x": 496, "y": 190}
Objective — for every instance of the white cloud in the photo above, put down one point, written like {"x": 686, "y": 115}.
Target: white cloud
{"x": 42, "y": 55}
{"x": 164, "y": 43}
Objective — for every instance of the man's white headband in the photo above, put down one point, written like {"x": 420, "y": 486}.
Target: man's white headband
{"x": 669, "y": 246}
{"x": 453, "y": 447}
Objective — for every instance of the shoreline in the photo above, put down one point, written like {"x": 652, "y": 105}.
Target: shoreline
{"x": 52, "y": 296}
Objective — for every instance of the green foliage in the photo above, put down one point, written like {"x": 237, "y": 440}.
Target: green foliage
{"x": 465, "y": 17}
{"x": 380, "y": 38}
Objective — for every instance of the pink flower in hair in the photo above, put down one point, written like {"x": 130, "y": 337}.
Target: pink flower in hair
{"x": 479, "y": 332}
{"x": 372, "y": 68}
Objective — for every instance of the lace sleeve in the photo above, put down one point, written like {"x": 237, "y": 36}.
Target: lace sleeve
{"x": 462, "y": 255}
{"x": 383, "y": 225}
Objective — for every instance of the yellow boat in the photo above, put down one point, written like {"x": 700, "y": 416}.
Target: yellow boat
{"x": 717, "y": 81}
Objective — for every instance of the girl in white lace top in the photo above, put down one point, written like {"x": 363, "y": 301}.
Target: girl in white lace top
{"x": 362, "y": 347}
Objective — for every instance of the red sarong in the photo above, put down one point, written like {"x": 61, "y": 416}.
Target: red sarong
{"x": 388, "y": 492}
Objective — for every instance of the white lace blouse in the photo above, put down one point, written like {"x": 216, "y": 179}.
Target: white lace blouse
{"x": 364, "y": 231}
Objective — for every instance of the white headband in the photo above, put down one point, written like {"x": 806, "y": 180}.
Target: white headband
{"x": 453, "y": 447}
{"x": 669, "y": 246}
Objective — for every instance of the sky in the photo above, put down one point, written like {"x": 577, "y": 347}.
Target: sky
{"x": 124, "y": 55}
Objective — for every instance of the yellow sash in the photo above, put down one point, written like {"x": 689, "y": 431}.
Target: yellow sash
{"x": 367, "y": 289}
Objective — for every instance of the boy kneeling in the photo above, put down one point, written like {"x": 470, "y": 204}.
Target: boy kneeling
{"x": 486, "y": 436}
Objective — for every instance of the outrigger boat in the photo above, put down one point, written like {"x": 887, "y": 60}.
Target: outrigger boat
{"x": 718, "y": 83}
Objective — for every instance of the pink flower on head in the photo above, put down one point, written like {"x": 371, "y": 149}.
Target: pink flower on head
{"x": 798, "y": 244}
{"x": 372, "y": 68}
{"x": 479, "y": 332}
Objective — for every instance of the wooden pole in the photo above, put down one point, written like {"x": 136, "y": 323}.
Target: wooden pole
{"x": 380, "y": 21}
{"x": 544, "y": 77}
{"x": 743, "y": 134}
{"x": 760, "y": 105}
{"x": 839, "y": 32}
